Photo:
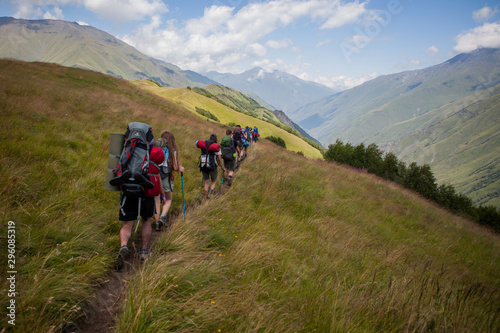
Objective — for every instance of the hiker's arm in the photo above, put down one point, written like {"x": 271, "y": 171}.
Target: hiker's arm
{"x": 176, "y": 166}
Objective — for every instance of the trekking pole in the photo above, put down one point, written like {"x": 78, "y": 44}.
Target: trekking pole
{"x": 183, "y": 200}
{"x": 222, "y": 182}
{"x": 138, "y": 215}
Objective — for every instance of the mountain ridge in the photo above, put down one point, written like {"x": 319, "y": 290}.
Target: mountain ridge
{"x": 74, "y": 45}
{"x": 284, "y": 91}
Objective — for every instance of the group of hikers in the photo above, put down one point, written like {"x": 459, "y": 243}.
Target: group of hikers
{"x": 150, "y": 196}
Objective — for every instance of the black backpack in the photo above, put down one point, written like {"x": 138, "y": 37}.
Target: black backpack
{"x": 207, "y": 158}
{"x": 132, "y": 170}
{"x": 237, "y": 134}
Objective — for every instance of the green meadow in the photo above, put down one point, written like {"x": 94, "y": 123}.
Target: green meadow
{"x": 296, "y": 244}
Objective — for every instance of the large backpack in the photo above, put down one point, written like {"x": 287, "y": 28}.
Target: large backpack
{"x": 237, "y": 134}
{"x": 227, "y": 146}
{"x": 207, "y": 158}
{"x": 132, "y": 170}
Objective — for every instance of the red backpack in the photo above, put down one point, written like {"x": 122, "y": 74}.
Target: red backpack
{"x": 156, "y": 157}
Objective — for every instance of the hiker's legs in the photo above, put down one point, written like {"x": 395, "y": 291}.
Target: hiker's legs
{"x": 167, "y": 203}
{"x": 157, "y": 207}
{"x": 213, "y": 176}
{"x": 207, "y": 185}
{"x": 212, "y": 186}
{"x": 146, "y": 232}
{"x": 237, "y": 154}
{"x": 126, "y": 232}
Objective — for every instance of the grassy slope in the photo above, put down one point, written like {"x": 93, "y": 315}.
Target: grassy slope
{"x": 296, "y": 245}
{"x": 241, "y": 101}
{"x": 190, "y": 100}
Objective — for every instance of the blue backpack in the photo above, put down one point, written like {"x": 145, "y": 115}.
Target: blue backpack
{"x": 164, "y": 168}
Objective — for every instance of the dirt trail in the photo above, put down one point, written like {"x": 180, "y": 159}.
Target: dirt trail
{"x": 109, "y": 298}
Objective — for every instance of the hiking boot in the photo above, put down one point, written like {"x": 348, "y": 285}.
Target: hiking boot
{"x": 161, "y": 222}
{"x": 144, "y": 254}
{"x": 120, "y": 259}
{"x": 158, "y": 225}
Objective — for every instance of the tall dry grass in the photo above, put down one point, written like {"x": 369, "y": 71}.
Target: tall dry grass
{"x": 303, "y": 246}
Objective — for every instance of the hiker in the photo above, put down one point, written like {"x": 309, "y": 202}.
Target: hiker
{"x": 249, "y": 134}
{"x": 245, "y": 142}
{"x": 139, "y": 181}
{"x": 209, "y": 160}
{"x": 255, "y": 134}
{"x": 237, "y": 135}
{"x": 228, "y": 148}
{"x": 170, "y": 164}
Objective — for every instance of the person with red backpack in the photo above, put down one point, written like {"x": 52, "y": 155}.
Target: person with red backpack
{"x": 210, "y": 159}
{"x": 138, "y": 177}
{"x": 255, "y": 134}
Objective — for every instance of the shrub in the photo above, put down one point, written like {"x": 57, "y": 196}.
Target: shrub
{"x": 207, "y": 114}
{"x": 277, "y": 140}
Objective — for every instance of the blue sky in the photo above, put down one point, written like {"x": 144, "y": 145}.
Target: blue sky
{"x": 333, "y": 42}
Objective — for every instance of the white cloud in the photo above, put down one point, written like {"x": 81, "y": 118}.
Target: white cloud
{"x": 339, "y": 83}
{"x": 357, "y": 43}
{"x": 119, "y": 11}
{"x": 415, "y": 63}
{"x": 279, "y": 44}
{"x": 324, "y": 42}
{"x": 487, "y": 35}
{"x": 122, "y": 11}
{"x": 27, "y": 10}
{"x": 344, "y": 14}
{"x": 484, "y": 14}
{"x": 433, "y": 49}
{"x": 58, "y": 14}
{"x": 223, "y": 38}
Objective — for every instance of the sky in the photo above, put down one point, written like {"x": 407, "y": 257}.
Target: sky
{"x": 338, "y": 43}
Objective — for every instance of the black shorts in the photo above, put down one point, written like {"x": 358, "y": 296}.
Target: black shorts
{"x": 229, "y": 164}
{"x": 131, "y": 207}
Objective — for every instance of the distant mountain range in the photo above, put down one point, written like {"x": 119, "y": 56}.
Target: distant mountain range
{"x": 74, "y": 45}
{"x": 447, "y": 116}
{"x": 369, "y": 112}
{"x": 285, "y": 92}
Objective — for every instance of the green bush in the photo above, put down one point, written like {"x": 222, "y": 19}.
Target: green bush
{"x": 207, "y": 114}
{"x": 277, "y": 140}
